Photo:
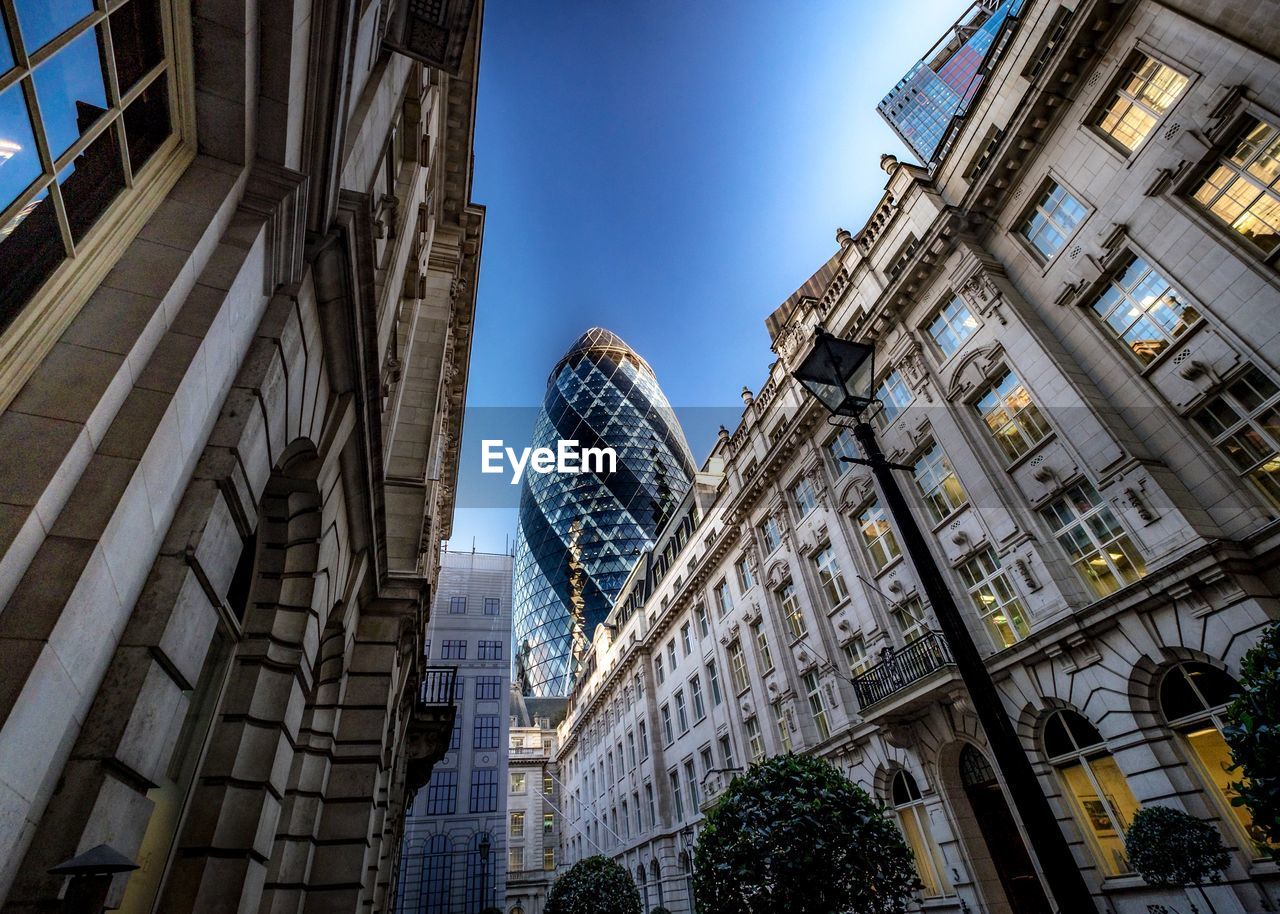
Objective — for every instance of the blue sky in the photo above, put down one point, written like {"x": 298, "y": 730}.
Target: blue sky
{"x": 671, "y": 171}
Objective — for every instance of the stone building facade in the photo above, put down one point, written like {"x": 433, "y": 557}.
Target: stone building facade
{"x": 535, "y": 801}
{"x": 1073, "y": 309}
{"x": 231, "y": 395}
{"x": 453, "y": 860}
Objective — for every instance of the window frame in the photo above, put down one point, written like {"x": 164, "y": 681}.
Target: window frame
{"x": 1110, "y": 280}
{"x": 1021, "y": 224}
{"x": 1245, "y": 419}
{"x": 939, "y": 313}
{"x": 1233, "y": 130}
{"x": 1125, "y": 71}
{"x": 989, "y": 386}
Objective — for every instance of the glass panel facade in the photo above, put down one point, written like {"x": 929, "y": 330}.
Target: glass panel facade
{"x": 580, "y": 534}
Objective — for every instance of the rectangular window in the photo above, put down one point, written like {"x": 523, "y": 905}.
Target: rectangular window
{"x": 994, "y": 599}
{"x": 713, "y": 680}
{"x": 455, "y": 738}
{"x": 1143, "y": 310}
{"x": 726, "y": 752}
{"x": 1052, "y": 220}
{"x": 459, "y": 688}
{"x": 515, "y": 859}
{"x": 804, "y": 497}
{"x": 841, "y": 446}
{"x": 485, "y": 734}
{"x": 941, "y": 490}
{"x": 631, "y": 748}
{"x": 635, "y": 804}
{"x": 723, "y": 602}
{"x": 704, "y": 624}
{"x": 492, "y": 606}
{"x": 895, "y": 395}
{"x": 770, "y": 535}
{"x": 1012, "y": 416}
{"x": 682, "y": 713}
{"x": 817, "y": 704}
{"x": 453, "y": 650}
{"x": 1244, "y": 423}
{"x": 738, "y": 667}
{"x": 549, "y": 858}
{"x": 763, "y": 653}
{"x": 1145, "y": 90}
{"x": 754, "y": 740}
{"x": 658, "y": 672}
{"x": 490, "y": 650}
{"x": 648, "y": 798}
{"x": 442, "y": 793}
{"x": 457, "y": 605}
{"x": 668, "y": 734}
{"x": 780, "y": 722}
{"x": 488, "y": 687}
{"x": 691, "y": 782}
{"x": 676, "y": 796}
{"x": 671, "y": 654}
{"x": 909, "y": 619}
{"x": 708, "y": 761}
{"x": 1241, "y": 188}
{"x": 517, "y": 825}
{"x": 952, "y": 325}
{"x": 792, "y": 614}
{"x": 484, "y": 790}
{"x": 643, "y": 728}
{"x": 1099, "y": 548}
{"x": 830, "y": 577}
{"x": 855, "y": 654}
{"x": 686, "y": 639}
{"x": 695, "y": 693}
{"x": 877, "y": 536}
{"x": 517, "y": 783}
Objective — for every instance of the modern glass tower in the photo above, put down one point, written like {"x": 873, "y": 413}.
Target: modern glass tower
{"x": 580, "y": 534}
{"x": 920, "y": 107}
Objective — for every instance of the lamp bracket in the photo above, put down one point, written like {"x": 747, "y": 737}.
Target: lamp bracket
{"x": 862, "y": 461}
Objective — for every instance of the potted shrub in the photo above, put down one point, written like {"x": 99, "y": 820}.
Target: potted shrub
{"x": 596, "y": 885}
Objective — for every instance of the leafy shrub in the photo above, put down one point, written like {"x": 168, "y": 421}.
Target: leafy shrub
{"x": 596, "y": 885}
{"x": 1170, "y": 848}
{"x": 1254, "y": 734}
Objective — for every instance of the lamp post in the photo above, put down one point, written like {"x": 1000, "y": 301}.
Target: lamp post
{"x": 484, "y": 870}
{"x": 840, "y": 374}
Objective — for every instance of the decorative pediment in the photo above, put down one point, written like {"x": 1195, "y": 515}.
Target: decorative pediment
{"x": 778, "y": 572}
{"x": 973, "y": 369}
{"x": 856, "y": 491}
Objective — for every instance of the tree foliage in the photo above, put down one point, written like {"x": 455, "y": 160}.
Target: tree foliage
{"x": 1168, "y": 847}
{"x": 1254, "y": 734}
{"x": 793, "y": 834}
{"x": 596, "y": 885}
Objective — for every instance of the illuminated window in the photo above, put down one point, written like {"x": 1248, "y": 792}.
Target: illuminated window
{"x": 877, "y": 536}
{"x": 1143, "y": 310}
{"x": 1052, "y": 220}
{"x": 792, "y": 614}
{"x": 1012, "y": 417}
{"x": 1143, "y": 93}
{"x": 855, "y": 654}
{"x": 1099, "y": 548}
{"x": 941, "y": 490}
{"x": 1100, "y": 796}
{"x": 1244, "y": 423}
{"x": 994, "y": 599}
{"x": 517, "y": 825}
{"x": 102, "y": 85}
{"x": 1241, "y": 187}
{"x": 517, "y": 783}
{"x": 830, "y": 577}
{"x": 515, "y": 859}
{"x": 1194, "y": 699}
{"x": 952, "y": 325}
{"x": 913, "y": 819}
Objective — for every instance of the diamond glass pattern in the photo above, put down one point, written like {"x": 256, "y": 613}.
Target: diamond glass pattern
{"x": 580, "y": 534}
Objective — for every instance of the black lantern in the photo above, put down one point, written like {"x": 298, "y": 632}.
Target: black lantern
{"x": 839, "y": 373}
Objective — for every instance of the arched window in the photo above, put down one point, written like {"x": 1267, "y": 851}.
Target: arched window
{"x": 437, "y": 875}
{"x": 516, "y": 909}
{"x": 644, "y": 887}
{"x": 913, "y": 819}
{"x": 1100, "y": 796}
{"x": 655, "y": 875}
{"x": 1193, "y": 699}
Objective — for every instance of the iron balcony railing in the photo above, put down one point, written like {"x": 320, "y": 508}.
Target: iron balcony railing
{"x": 900, "y": 667}
{"x": 438, "y": 683}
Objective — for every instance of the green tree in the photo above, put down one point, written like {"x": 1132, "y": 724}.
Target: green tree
{"x": 1172, "y": 849}
{"x": 1254, "y": 734}
{"x": 793, "y": 834}
{"x": 596, "y": 885}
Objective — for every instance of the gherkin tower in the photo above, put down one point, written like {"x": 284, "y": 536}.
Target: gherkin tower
{"x": 580, "y": 534}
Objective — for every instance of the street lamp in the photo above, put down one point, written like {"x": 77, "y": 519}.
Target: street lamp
{"x": 840, "y": 374}
{"x": 483, "y": 847}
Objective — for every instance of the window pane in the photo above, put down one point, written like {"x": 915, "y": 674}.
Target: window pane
{"x": 19, "y": 161}
{"x": 72, "y": 91}
{"x": 6, "y": 49}
{"x": 91, "y": 182}
{"x": 137, "y": 39}
{"x": 40, "y": 20}
{"x": 31, "y": 248}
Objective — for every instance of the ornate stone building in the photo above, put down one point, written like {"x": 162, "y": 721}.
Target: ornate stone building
{"x": 1073, "y": 306}
{"x": 232, "y": 370}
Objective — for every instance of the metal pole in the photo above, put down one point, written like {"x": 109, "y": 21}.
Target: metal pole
{"x": 1048, "y": 845}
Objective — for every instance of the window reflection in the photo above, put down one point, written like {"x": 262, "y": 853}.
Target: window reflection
{"x": 19, "y": 161}
{"x": 72, "y": 91}
{"x": 137, "y": 39}
{"x": 41, "y": 21}
{"x": 6, "y": 49}
{"x": 91, "y": 182}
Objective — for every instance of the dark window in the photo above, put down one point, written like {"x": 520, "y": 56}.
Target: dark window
{"x": 488, "y": 687}
{"x": 490, "y": 650}
{"x": 484, "y": 790}
{"x": 454, "y": 650}
{"x": 442, "y": 793}
{"x": 437, "y": 873}
{"x": 457, "y": 605}
{"x": 485, "y": 735}
{"x": 492, "y": 606}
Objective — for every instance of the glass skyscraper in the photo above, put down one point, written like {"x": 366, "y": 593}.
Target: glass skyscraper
{"x": 920, "y": 107}
{"x": 580, "y": 534}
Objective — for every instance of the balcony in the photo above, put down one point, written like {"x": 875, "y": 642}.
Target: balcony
{"x": 905, "y": 678}
{"x": 431, "y": 724}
